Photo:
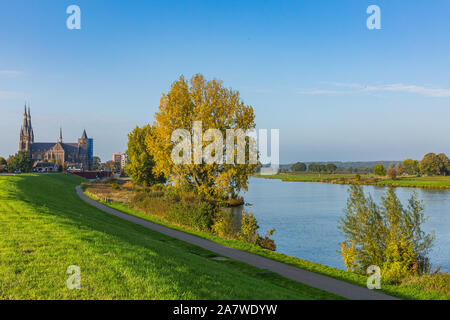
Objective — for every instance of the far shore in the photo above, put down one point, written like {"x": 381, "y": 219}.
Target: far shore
{"x": 427, "y": 182}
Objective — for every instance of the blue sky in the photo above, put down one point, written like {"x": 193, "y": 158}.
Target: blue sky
{"x": 336, "y": 90}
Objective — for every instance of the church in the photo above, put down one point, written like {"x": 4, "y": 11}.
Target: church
{"x": 73, "y": 155}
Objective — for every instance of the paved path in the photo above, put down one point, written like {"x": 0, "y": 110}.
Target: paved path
{"x": 312, "y": 279}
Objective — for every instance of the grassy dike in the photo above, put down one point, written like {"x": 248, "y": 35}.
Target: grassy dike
{"x": 438, "y": 182}
{"x": 416, "y": 288}
{"x": 45, "y": 227}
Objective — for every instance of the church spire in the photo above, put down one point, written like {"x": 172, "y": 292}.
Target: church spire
{"x": 29, "y": 126}
{"x": 26, "y": 132}
{"x": 24, "y": 129}
{"x": 60, "y": 135}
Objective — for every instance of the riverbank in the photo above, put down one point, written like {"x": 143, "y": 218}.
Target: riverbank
{"x": 432, "y": 182}
{"x": 414, "y": 288}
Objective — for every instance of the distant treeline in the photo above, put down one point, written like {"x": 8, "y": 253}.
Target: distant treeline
{"x": 334, "y": 167}
{"x": 431, "y": 164}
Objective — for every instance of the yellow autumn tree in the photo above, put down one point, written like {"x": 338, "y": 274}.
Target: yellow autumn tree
{"x": 204, "y": 105}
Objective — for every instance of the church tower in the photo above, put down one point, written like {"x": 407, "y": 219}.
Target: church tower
{"x": 83, "y": 141}
{"x": 26, "y": 132}
{"x": 83, "y": 150}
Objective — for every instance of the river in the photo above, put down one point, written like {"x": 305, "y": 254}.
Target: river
{"x": 305, "y": 216}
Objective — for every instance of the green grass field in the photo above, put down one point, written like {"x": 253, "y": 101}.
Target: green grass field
{"x": 45, "y": 227}
{"x": 308, "y": 177}
{"x": 418, "y": 182}
{"x": 438, "y": 182}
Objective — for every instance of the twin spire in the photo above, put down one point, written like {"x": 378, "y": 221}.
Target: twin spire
{"x": 27, "y": 129}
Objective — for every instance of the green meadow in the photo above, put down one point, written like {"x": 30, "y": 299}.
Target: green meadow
{"x": 45, "y": 228}
{"x": 432, "y": 182}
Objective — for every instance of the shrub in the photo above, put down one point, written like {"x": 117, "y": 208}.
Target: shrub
{"x": 223, "y": 224}
{"x": 249, "y": 228}
{"x": 379, "y": 170}
{"x": 438, "y": 282}
{"x": 195, "y": 215}
{"x": 388, "y": 236}
{"x": 112, "y": 180}
{"x": 392, "y": 173}
{"x": 115, "y": 186}
{"x": 198, "y": 216}
{"x": 172, "y": 194}
{"x": 158, "y": 187}
{"x": 267, "y": 242}
{"x": 184, "y": 206}
{"x": 349, "y": 256}
{"x": 399, "y": 260}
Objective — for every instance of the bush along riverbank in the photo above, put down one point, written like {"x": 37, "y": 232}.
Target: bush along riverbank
{"x": 183, "y": 206}
{"x": 389, "y": 237}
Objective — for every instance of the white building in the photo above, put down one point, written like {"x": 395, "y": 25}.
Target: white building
{"x": 120, "y": 157}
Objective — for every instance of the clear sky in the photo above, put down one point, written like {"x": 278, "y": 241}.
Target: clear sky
{"x": 334, "y": 88}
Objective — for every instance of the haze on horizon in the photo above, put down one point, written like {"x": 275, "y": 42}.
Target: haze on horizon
{"x": 336, "y": 90}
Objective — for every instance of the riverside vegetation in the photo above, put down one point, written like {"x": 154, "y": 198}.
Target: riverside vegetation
{"x": 389, "y": 236}
{"x": 183, "y": 206}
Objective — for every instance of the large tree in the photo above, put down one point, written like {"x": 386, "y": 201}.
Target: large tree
{"x": 299, "y": 167}
{"x": 411, "y": 166}
{"x": 20, "y": 161}
{"x": 444, "y": 164}
{"x": 331, "y": 167}
{"x": 314, "y": 167}
{"x": 433, "y": 164}
{"x": 429, "y": 164}
{"x": 3, "y": 164}
{"x": 216, "y": 107}
{"x": 140, "y": 162}
{"x": 379, "y": 170}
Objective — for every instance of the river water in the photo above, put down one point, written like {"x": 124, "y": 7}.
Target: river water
{"x": 305, "y": 216}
